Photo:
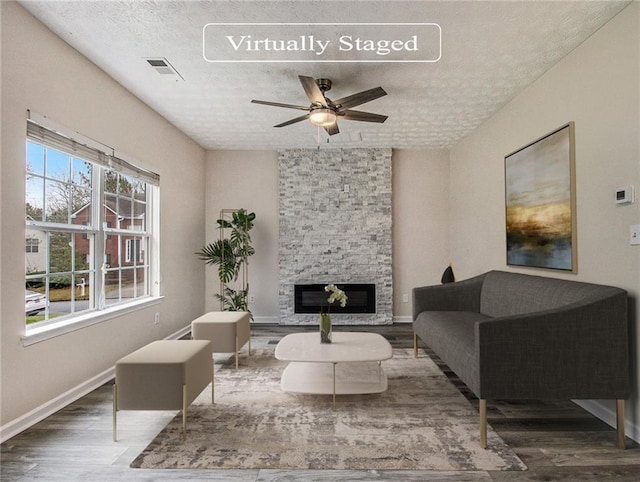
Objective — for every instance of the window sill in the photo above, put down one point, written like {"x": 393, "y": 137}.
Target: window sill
{"x": 38, "y": 334}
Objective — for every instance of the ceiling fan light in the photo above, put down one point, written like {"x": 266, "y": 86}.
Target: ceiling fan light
{"x": 322, "y": 117}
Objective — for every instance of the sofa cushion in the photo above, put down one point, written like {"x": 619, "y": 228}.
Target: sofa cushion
{"x": 508, "y": 294}
{"x": 451, "y": 335}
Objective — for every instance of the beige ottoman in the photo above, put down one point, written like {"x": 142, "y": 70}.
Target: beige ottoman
{"x": 164, "y": 375}
{"x": 228, "y": 331}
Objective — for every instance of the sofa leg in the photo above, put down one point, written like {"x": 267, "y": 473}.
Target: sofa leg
{"x": 620, "y": 423}
{"x": 415, "y": 346}
{"x": 483, "y": 423}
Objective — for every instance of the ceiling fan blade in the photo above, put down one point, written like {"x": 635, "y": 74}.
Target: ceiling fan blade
{"x": 312, "y": 90}
{"x": 293, "y": 121}
{"x": 332, "y": 129}
{"x": 360, "y": 98}
{"x": 278, "y": 104}
{"x": 356, "y": 115}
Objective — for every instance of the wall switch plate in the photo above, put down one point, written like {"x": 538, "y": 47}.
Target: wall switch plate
{"x": 635, "y": 235}
{"x": 346, "y": 188}
{"x": 405, "y": 298}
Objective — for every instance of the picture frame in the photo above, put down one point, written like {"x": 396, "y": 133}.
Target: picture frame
{"x": 540, "y": 203}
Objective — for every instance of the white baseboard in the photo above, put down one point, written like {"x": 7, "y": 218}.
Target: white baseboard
{"x": 271, "y": 320}
{"x": 608, "y": 416}
{"x": 22, "y": 423}
{"x": 402, "y": 319}
{"x": 38, "y": 414}
{"x": 180, "y": 333}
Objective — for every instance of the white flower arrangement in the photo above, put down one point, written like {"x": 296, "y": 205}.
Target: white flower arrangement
{"x": 336, "y": 295}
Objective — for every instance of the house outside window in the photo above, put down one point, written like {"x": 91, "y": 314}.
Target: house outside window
{"x": 135, "y": 252}
{"x": 89, "y": 219}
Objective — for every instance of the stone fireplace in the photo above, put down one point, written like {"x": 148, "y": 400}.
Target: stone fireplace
{"x": 335, "y": 227}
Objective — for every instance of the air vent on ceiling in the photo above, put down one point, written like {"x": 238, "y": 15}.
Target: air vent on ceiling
{"x": 163, "y": 67}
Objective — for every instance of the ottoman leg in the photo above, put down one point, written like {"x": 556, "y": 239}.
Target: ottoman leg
{"x": 237, "y": 351}
{"x": 184, "y": 412}
{"x": 115, "y": 411}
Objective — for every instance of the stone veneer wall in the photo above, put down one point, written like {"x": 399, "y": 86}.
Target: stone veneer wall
{"x": 331, "y": 236}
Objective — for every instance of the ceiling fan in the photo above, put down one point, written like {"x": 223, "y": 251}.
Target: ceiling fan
{"x": 324, "y": 112}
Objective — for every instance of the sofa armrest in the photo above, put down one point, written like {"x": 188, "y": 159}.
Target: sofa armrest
{"x": 459, "y": 296}
{"x": 579, "y": 351}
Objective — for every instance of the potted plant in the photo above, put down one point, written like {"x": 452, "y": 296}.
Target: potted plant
{"x": 231, "y": 255}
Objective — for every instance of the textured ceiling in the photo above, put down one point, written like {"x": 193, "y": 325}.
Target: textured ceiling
{"x": 491, "y": 51}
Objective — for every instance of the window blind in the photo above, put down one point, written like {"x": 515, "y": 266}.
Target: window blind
{"x": 40, "y": 133}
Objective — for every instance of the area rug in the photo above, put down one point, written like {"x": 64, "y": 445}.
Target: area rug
{"x": 422, "y": 422}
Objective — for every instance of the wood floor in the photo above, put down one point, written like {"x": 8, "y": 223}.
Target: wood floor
{"x": 557, "y": 441}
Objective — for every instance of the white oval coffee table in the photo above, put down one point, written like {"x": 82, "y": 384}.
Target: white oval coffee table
{"x": 349, "y": 365}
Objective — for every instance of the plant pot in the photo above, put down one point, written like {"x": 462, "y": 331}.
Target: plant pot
{"x": 325, "y": 328}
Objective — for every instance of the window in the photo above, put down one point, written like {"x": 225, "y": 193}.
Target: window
{"x": 89, "y": 227}
{"x": 31, "y": 245}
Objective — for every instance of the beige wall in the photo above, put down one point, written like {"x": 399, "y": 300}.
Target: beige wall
{"x": 249, "y": 179}
{"x": 42, "y": 73}
{"x": 420, "y": 222}
{"x": 597, "y": 86}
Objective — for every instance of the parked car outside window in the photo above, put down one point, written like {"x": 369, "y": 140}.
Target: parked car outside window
{"x": 34, "y": 302}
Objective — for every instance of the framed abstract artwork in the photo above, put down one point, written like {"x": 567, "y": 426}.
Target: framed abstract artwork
{"x": 540, "y": 202}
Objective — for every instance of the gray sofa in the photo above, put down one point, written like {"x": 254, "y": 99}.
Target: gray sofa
{"x": 513, "y": 336}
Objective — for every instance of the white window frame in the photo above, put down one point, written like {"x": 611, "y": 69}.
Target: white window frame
{"x": 105, "y": 159}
